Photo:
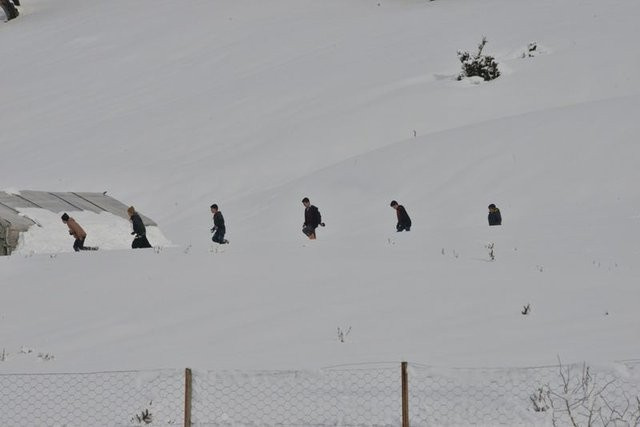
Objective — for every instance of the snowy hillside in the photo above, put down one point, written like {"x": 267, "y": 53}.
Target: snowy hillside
{"x": 254, "y": 105}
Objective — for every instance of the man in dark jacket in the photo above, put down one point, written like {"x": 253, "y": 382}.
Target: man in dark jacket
{"x": 139, "y": 230}
{"x": 312, "y": 219}
{"x": 218, "y": 229}
{"x": 494, "y": 215}
{"x": 404, "y": 222}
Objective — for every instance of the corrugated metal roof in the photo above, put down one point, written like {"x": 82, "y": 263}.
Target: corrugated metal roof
{"x": 14, "y": 219}
{"x": 61, "y": 202}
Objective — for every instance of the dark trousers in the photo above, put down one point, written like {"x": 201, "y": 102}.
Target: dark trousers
{"x": 78, "y": 245}
{"x": 403, "y": 227}
{"x": 140, "y": 242}
{"x": 218, "y": 236}
{"x": 309, "y": 230}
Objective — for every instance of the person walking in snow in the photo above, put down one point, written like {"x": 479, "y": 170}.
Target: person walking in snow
{"x": 218, "y": 229}
{"x": 404, "y": 222}
{"x": 139, "y": 230}
{"x": 312, "y": 219}
{"x": 494, "y": 215}
{"x": 76, "y": 231}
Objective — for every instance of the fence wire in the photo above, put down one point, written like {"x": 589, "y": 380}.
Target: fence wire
{"x": 92, "y": 399}
{"x": 356, "y": 395}
{"x": 597, "y": 396}
{"x": 328, "y": 397}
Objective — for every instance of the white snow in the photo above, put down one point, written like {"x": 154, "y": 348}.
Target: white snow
{"x": 254, "y": 105}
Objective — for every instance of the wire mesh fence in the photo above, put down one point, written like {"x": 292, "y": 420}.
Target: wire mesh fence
{"x": 356, "y": 395}
{"x": 92, "y": 399}
{"x": 542, "y": 396}
{"x": 353, "y": 396}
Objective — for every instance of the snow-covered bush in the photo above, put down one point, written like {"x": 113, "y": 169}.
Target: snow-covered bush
{"x": 541, "y": 399}
{"x": 9, "y": 9}
{"x": 479, "y": 65}
{"x": 532, "y": 50}
{"x": 144, "y": 417}
{"x": 583, "y": 400}
{"x": 342, "y": 335}
{"x": 491, "y": 249}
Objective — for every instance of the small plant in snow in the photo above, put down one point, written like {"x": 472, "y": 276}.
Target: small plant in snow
{"x": 46, "y": 357}
{"x": 342, "y": 335}
{"x": 479, "y": 65}
{"x": 144, "y": 417}
{"x": 157, "y": 249}
{"x": 3, "y": 355}
{"x": 526, "y": 309}
{"x": 540, "y": 268}
{"x": 532, "y": 50}
{"x": 25, "y": 350}
{"x": 541, "y": 399}
{"x": 187, "y": 249}
{"x": 491, "y": 248}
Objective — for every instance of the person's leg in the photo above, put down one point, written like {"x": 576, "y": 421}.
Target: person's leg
{"x": 82, "y": 248}
{"x": 77, "y": 244}
{"x": 403, "y": 227}
{"x": 218, "y": 236}
{"x": 145, "y": 242}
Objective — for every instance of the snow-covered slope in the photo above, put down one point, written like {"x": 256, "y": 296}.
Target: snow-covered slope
{"x": 254, "y": 106}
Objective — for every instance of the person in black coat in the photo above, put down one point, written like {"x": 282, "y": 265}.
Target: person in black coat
{"x": 494, "y": 215}
{"x": 404, "y": 222}
{"x": 139, "y": 230}
{"x": 312, "y": 219}
{"x": 218, "y": 229}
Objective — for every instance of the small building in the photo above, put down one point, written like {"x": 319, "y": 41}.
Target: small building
{"x": 12, "y": 222}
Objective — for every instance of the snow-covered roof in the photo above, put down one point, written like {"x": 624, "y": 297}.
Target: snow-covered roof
{"x": 60, "y": 202}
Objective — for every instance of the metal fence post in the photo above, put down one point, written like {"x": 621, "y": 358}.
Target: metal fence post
{"x": 187, "y": 397}
{"x": 405, "y": 395}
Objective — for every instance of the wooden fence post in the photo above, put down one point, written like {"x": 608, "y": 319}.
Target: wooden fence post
{"x": 405, "y": 395}
{"x": 187, "y": 397}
